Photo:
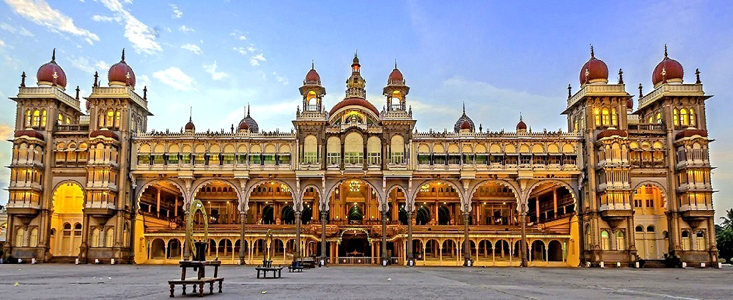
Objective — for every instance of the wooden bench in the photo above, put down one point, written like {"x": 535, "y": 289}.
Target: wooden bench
{"x": 194, "y": 281}
{"x": 276, "y": 271}
{"x": 200, "y": 279}
{"x": 308, "y": 263}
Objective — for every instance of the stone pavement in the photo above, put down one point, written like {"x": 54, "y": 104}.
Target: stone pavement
{"x": 55, "y": 281}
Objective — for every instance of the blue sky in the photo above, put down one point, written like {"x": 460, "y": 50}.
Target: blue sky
{"x": 500, "y": 58}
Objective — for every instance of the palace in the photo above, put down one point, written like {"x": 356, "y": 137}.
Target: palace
{"x": 353, "y": 184}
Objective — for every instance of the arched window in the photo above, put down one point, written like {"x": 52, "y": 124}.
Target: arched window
{"x": 310, "y": 150}
{"x": 684, "y": 118}
{"x": 374, "y": 150}
{"x": 34, "y": 237}
{"x": 100, "y": 121}
{"x": 117, "y": 119}
{"x": 95, "y": 237}
{"x": 659, "y": 118}
{"x": 43, "y": 118}
{"x": 700, "y": 241}
{"x": 36, "y": 118}
{"x": 613, "y": 117}
{"x": 639, "y": 228}
{"x": 606, "y": 120}
{"x": 397, "y": 149}
{"x": 28, "y": 118}
{"x": 685, "y": 240}
{"x": 354, "y": 148}
{"x": 597, "y": 114}
{"x": 109, "y": 237}
{"x": 19, "y": 236}
{"x": 676, "y": 116}
{"x": 692, "y": 117}
{"x": 650, "y": 228}
{"x": 620, "y": 242}
{"x": 61, "y": 119}
{"x": 110, "y": 118}
{"x": 605, "y": 240}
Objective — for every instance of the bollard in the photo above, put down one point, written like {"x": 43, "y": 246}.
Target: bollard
{"x": 33, "y": 261}
{"x": 96, "y": 260}
{"x": 587, "y": 264}
{"x": 636, "y": 264}
{"x": 76, "y": 262}
{"x": 20, "y": 260}
{"x": 684, "y": 265}
{"x": 702, "y": 265}
{"x": 112, "y": 262}
{"x": 602, "y": 265}
{"x": 618, "y": 264}
{"x": 720, "y": 265}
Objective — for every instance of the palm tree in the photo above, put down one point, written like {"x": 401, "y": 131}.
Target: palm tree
{"x": 728, "y": 219}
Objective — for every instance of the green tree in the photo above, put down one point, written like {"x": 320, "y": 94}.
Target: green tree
{"x": 728, "y": 219}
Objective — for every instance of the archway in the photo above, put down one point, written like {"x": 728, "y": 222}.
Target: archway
{"x": 494, "y": 203}
{"x": 221, "y": 202}
{"x": 650, "y": 221}
{"x": 396, "y": 202}
{"x": 422, "y": 215}
{"x": 352, "y": 198}
{"x": 550, "y": 206}
{"x": 440, "y": 199}
{"x": 271, "y": 202}
{"x": 161, "y": 205}
{"x": 67, "y": 218}
{"x": 555, "y": 251}
{"x": 157, "y": 249}
{"x": 174, "y": 249}
{"x": 355, "y": 214}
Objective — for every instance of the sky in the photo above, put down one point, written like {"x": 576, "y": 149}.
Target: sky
{"x": 500, "y": 58}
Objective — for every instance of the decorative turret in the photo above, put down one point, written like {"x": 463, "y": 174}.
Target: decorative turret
{"x": 355, "y": 85}
{"x": 190, "y": 127}
{"x": 51, "y": 74}
{"x": 594, "y": 70}
{"x": 121, "y": 74}
{"x": 312, "y": 91}
{"x": 396, "y": 90}
{"x": 249, "y": 123}
{"x": 464, "y": 119}
{"x": 521, "y": 126}
{"x": 667, "y": 71}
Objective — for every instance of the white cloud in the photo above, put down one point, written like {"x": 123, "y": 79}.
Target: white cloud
{"x": 176, "y": 79}
{"x": 280, "y": 79}
{"x": 255, "y": 60}
{"x": 193, "y": 48}
{"x": 140, "y": 35}
{"x": 99, "y": 18}
{"x": 41, "y": 13}
{"x": 251, "y": 49}
{"x": 81, "y": 63}
{"x": 211, "y": 69}
{"x": 21, "y": 31}
{"x": 103, "y": 65}
{"x": 143, "y": 80}
{"x": 241, "y": 37}
{"x": 177, "y": 13}
{"x": 241, "y": 50}
{"x": 2, "y": 43}
{"x": 185, "y": 29}
{"x": 5, "y": 132}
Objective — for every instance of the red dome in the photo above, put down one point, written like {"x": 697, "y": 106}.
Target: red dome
{"x": 395, "y": 77}
{"x": 243, "y": 126}
{"x": 190, "y": 126}
{"x": 611, "y": 132}
{"x": 104, "y": 133}
{"x": 690, "y": 133}
{"x": 29, "y": 133}
{"x": 593, "y": 70}
{"x": 668, "y": 69}
{"x": 312, "y": 77}
{"x": 630, "y": 103}
{"x": 521, "y": 125}
{"x": 122, "y": 73}
{"x": 49, "y": 70}
{"x": 465, "y": 125}
{"x": 354, "y": 101}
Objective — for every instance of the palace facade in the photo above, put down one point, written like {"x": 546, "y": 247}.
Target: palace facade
{"x": 352, "y": 184}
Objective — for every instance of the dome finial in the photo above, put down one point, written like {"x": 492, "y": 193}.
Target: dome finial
{"x": 464, "y": 107}
{"x": 395, "y": 63}
{"x": 53, "y": 55}
{"x": 665, "y": 50}
{"x": 190, "y": 113}
{"x": 520, "y": 116}
{"x": 123, "y": 54}
{"x": 247, "y": 109}
{"x": 313, "y": 64}
{"x": 592, "y": 54}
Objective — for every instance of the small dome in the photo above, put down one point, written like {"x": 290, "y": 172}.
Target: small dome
{"x": 396, "y": 76}
{"x": 521, "y": 125}
{"x": 243, "y": 126}
{"x": 630, "y": 103}
{"x": 104, "y": 133}
{"x": 51, "y": 74}
{"x": 594, "y": 70}
{"x": 463, "y": 119}
{"x": 249, "y": 122}
{"x": 465, "y": 125}
{"x": 190, "y": 126}
{"x": 29, "y": 133}
{"x": 668, "y": 70}
{"x": 690, "y": 133}
{"x": 354, "y": 101}
{"x": 312, "y": 77}
{"x": 121, "y": 73}
{"x": 612, "y": 132}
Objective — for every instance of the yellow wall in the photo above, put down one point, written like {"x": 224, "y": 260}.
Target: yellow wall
{"x": 139, "y": 246}
{"x": 573, "y": 258}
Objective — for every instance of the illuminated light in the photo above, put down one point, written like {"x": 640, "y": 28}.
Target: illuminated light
{"x": 267, "y": 202}
{"x": 504, "y": 203}
{"x": 354, "y": 203}
{"x": 227, "y": 202}
{"x": 424, "y": 203}
{"x": 425, "y": 188}
{"x": 445, "y": 202}
{"x": 484, "y": 203}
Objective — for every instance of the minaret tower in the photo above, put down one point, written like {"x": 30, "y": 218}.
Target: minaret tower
{"x": 396, "y": 90}
{"x": 312, "y": 91}
{"x": 355, "y": 85}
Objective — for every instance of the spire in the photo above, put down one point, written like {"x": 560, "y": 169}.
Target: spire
{"x": 145, "y": 92}
{"x": 592, "y": 54}
{"x": 96, "y": 78}
{"x": 22, "y": 79}
{"x": 247, "y": 109}
{"x": 520, "y": 116}
{"x": 464, "y": 107}
{"x": 313, "y": 64}
{"x": 697, "y": 76}
{"x": 620, "y": 76}
{"x": 190, "y": 113}
{"x": 123, "y": 54}
{"x": 53, "y": 55}
{"x": 570, "y": 90}
{"x": 395, "y": 63}
{"x": 77, "y": 92}
{"x": 641, "y": 92}
{"x": 665, "y": 50}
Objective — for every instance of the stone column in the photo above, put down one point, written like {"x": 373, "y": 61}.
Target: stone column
{"x": 383, "y": 244}
{"x": 242, "y": 220}
{"x": 410, "y": 257}
{"x": 466, "y": 242}
{"x": 297, "y": 236}
{"x": 84, "y": 239}
{"x": 523, "y": 241}
{"x": 186, "y": 244}
{"x": 324, "y": 218}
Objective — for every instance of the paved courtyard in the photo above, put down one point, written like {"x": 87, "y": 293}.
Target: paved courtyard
{"x": 150, "y": 282}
